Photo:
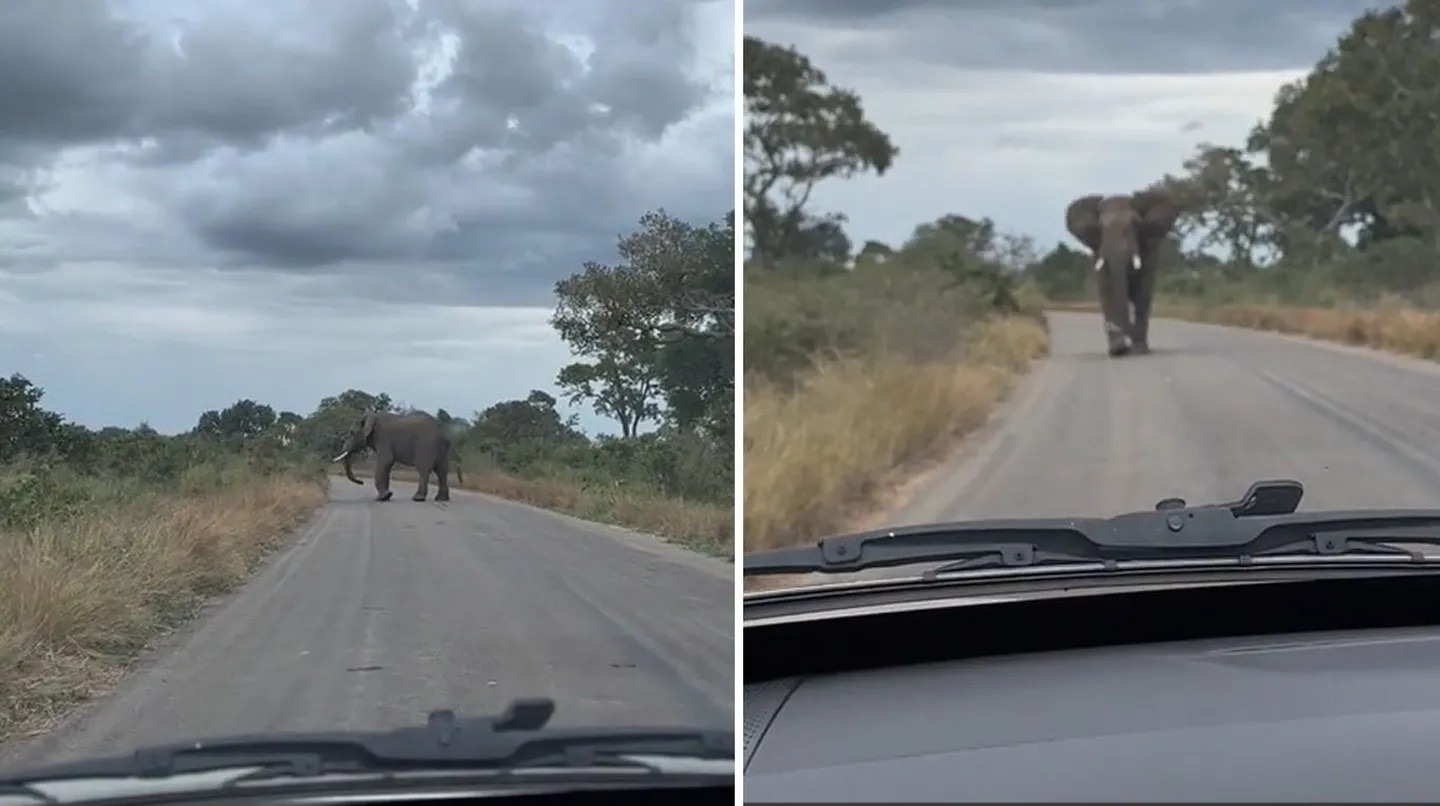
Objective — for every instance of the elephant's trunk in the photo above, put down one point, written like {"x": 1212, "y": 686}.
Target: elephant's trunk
{"x": 1114, "y": 267}
{"x": 349, "y": 471}
{"x": 1134, "y": 262}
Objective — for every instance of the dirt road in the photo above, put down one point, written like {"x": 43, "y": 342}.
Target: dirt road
{"x": 1209, "y": 411}
{"x": 382, "y": 611}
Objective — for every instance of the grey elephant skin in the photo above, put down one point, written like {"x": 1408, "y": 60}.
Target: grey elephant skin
{"x": 415, "y": 439}
{"x": 1123, "y": 234}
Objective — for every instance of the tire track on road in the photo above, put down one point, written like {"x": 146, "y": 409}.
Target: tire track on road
{"x": 1208, "y": 412}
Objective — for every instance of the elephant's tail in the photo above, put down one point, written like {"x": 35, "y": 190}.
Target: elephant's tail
{"x": 454, "y": 456}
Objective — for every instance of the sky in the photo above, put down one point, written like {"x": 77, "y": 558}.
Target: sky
{"x": 203, "y": 202}
{"x": 1012, "y": 108}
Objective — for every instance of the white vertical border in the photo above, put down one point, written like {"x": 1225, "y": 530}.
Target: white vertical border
{"x": 738, "y": 430}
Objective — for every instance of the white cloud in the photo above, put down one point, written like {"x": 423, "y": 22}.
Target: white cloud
{"x": 158, "y": 276}
{"x": 118, "y": 346}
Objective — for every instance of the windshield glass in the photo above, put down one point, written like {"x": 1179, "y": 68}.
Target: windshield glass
{"x": 476, "y": 256}
{"x": 991, "y": 248}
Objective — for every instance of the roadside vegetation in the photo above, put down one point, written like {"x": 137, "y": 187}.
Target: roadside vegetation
{"x": 859, "y": 367}
{"x": 109, "y": 537}
{"x": 1325, "y": 222}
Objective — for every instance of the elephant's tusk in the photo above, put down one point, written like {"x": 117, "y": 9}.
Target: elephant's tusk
{"x": 1135, "y": 262}
{"x": 341, "y": 456}
{"x": 1099, "y": 264}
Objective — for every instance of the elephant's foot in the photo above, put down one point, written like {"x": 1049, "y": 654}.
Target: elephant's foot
{"x": 418, "y": 497}
{"x": 1117, "y": 350}
{"x": 443, "y": 495}
{"x": 385, "y": 496}
{"x": 1141, "y": 348}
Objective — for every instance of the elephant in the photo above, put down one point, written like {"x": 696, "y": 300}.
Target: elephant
{"x": 1124, "y": 233}
{"x": 414, "y": 439}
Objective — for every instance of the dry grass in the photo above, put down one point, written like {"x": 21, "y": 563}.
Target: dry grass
{"x": 1390, "y": 326}
{"x": 818, "y": 454}
{"x": 79, "y": 600}
{"x": 701, "y": 526}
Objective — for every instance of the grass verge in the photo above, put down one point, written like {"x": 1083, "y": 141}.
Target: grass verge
{"x": 84, "y": 589}
{"x": 703, "y": 527}
{"x": 1389, "y": 326}
{"x": 820, "y": 450}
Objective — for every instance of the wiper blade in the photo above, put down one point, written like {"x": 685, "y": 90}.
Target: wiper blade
{"x": 1262, "y": 524}
{"x": 514, "y": 740}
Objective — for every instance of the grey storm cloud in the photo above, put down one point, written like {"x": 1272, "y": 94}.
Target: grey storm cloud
{"x": 319, "y": 137}
{"x": 1101, "y": 36}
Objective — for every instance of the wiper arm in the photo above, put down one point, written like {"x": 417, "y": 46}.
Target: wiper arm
{"x": 1005, "y": 542}
{"x": 1263, "y": 523}
{"x": 514, "y": 740}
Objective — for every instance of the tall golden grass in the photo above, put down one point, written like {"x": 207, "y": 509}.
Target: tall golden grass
{"x": 80, "y": 596}
{"x": 819, "y": 452}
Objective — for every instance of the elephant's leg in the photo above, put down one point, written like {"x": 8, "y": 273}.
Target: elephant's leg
{"x": 382, "y": 479}
{"x": 422, "y": 490}
{"x": 442, "y": 476}
{"x": 1142, "y": 293}
{"x": 1115, "y": 305}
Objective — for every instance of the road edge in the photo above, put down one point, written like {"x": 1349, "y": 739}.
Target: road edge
{"x": 1397, "y": 360}
{"x": 970, "y": 456}
{"x": 29, "y": 750}
{"x": 655, "y": 544}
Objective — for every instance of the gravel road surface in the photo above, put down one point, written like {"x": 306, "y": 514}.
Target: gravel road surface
{"x": 1209, "y": 411}
{"x": 382, "y": 611}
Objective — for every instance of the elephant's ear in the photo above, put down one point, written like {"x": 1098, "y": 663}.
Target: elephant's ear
{"x": 1158, "y": 213}
{"x": 1082, "y": 219}
{"x": 367, "y": 427}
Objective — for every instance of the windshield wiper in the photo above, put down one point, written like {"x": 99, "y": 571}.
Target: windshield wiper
{"x": 1262, "y": 524}
{"x": 515, "y": 740}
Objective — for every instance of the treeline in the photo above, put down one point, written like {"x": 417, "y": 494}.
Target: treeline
{"x": 1333, "y": 197}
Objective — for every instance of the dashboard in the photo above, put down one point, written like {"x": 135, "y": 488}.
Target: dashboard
{"x": 1323, "y": 717}
{"x": 1348, "y": 714}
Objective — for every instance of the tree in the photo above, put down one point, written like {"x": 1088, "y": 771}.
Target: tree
{"x": 1353, "y": 143}
{"x": 25, "y": 427}
{"x": 607, "y": 315}
{"x": 516, "y": 433}
{"x": 323, "y": 432}
{"x": 822, "y": 240}
{"x": 950, "y": 234}
{"x": 695, "y": 359}
{"x": 675, "y": 285}
{"x": 1224, "y": 201}
{"x": 243, "y": 419}
{"x": 1063, "y": 273}
{"x": 799, "y": 131}
{"x": 971, "y": 252}
{"x": 624, "y": 392}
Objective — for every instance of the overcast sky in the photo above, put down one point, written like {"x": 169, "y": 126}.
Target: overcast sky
{"x": 206, "y": 201}
{"x": 1011, "y": 108}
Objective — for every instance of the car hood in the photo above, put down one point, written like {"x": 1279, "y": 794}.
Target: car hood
{"x": 878, "y": 595}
